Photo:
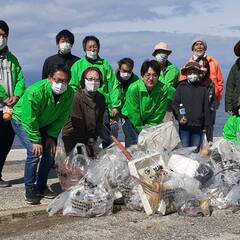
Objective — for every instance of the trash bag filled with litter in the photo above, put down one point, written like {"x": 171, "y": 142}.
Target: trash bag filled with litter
{"x": 83, "y": 200}
{"x": 161, "y": 137}
{"x": 72, "y": 168}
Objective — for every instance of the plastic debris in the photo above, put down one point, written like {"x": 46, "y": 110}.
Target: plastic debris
{"x": 73, "y": 167}
{"x": 89, "y": 201}
{"x": 161, "y": 137}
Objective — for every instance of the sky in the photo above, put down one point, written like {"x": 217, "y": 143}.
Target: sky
{"x": 125, "y": 29}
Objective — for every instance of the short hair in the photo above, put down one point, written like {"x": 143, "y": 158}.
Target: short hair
{"x": 150, "y": 64}
{"x": 90, "y": 38}
{"x": 127, "y": 61}
{"x": 86, "y": 72}
{"x": 62, "y": 68}
{"x": 4, "y": 26}
{"x": 65, "y": 33}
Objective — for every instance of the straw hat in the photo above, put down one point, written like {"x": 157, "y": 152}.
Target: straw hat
{"x": 161, "y": 46}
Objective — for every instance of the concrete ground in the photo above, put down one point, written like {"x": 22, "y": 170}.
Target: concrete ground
{"x": 21, "y": 221}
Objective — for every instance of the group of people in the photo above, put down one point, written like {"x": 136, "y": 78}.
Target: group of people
{"x": 86, "y": 100}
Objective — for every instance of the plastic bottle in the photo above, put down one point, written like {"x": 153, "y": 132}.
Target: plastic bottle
{"x": 182, "y": 110}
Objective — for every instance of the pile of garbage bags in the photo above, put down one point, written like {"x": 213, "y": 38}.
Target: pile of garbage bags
{"x": 162, "y": 178}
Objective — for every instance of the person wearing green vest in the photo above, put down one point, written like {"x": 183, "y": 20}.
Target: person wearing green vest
{"x": 231, "y": 130}
{"x": 126, "y": 77}
{"x": 110, "y": 88}
{"x": 169, "y": 72}
{"x": 147, "y": 99}
{"x": 38, "y": 118}
{"x": 12, "y": 86}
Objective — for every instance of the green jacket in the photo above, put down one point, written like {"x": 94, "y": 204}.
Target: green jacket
{"x": 231, "y": 130}
{"x": 18, "y": 81}
{"x": 37, "y": 109}
{"x": 110, "y": 88}
{"x": 170, "y": 75}
{"x": 232, "y": 93}
{"x": 142, "y": 108}
{"x": 3, "y": 94}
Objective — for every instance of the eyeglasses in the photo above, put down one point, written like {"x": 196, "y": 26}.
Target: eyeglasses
{"x": 148, "y": 75}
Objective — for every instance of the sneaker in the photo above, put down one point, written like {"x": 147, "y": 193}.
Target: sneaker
{"x": 32, "y": 196}
{"x": 47, "y": 193}
{"x": 4, "y": 184}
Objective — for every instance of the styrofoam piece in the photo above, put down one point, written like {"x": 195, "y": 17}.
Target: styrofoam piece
{"x": 183, "y": 165}
{"x": 144, "y": 169}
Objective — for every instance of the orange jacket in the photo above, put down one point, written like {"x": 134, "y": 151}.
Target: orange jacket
{"x": 215, "y": 75}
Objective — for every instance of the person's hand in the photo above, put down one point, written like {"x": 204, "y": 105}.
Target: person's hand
{"x": 51, "y": 145}
{"x": 183, "y": 121}
{"x": 230, "y": 113}
{"x": 112, "y": 121}
{"x": 115, "y": 112}
{"x": 37, "y": 149}
{"x": 12, "y": 101}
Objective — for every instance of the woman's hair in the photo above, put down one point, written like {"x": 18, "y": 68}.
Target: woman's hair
{"x": 150, "y": 64}
{"x": 85, "y": 74}
{"x": 205, "y": 64}
{"x": 205, "y": 77}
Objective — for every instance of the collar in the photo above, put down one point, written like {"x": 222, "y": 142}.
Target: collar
{"x": 91, "y": 60}
{"x": 124, "y": 83}
{"x": 67, "y": 55}
{"x": 4, "y": 52}
{"x": 195, "y": 58}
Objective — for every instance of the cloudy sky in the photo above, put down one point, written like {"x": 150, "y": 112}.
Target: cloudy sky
{"x": 125, "y": 28}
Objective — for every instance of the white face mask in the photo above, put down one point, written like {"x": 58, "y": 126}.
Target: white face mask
{"x": 92, "y": 55}
{"x": 125, "y": 76}
{"x": 65, "y": 47}
{"x": 193, "y": 77}
{"x": 161, "y": 57}
{"x": 3, "y": 42}
{"x": 198, "y": 54}
{"x": 59, "y": 88}
{"x": 91, "y": 86}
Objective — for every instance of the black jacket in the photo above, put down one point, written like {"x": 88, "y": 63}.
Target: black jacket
{"x": 66, "y": 59}
{"x": 194, "y": 98}
{"x": 232, "y": 94}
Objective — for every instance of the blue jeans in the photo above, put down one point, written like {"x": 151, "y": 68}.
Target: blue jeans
{"x": 131, "y": 137}
{"x": 30, "y": 175}
{"x": 190, "y": 136}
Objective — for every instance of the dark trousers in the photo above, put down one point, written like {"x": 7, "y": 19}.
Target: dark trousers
{"x": 210, "y": 128}
{"x": 108, "y": 130}
{"x": 6, "y": 140}
{"x": 190, "y": 136}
